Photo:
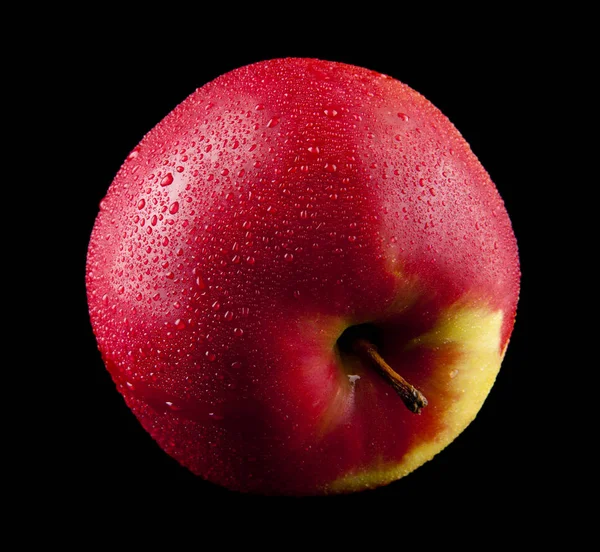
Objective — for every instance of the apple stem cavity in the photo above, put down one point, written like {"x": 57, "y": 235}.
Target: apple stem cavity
{"x": 414, "y": 400}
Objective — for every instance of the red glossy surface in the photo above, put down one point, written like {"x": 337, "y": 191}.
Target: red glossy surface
{"x": 275, "y": 202}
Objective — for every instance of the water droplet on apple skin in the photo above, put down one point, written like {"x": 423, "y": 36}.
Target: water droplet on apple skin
{"x": 167, "y": 180}
{"x": 134, "y": 153}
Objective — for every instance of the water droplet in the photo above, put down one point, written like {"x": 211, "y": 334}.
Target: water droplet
{"x": 296, "y": 294}
{"x": 216, "y": 306}
{"x": 228, "y": 315}
{"x": 289, "y": 257}
{"x": 274, "y": 121}
{"x": 141, "y": 203}
{"x": 453, "y": 374}
{"x": 238, "y": 332}
{"x": 236, "y": 365}
{"x": 351, "y": 239}
{"x": 403, "y": 116}
{"x": 179, "y": 324}
{"x": 167, "y": 180}
{"x": 174, "y": 208}
{"x": 134, "y": 153}
{"x": 330, "y": 167}
{"x": 179, "y": 169}
{"x": 210, "y": 356}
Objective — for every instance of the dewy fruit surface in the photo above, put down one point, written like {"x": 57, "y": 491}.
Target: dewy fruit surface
{"x": 277, "y": 206}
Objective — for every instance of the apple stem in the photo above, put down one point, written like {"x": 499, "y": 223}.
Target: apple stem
{"x": 410, "y": 395}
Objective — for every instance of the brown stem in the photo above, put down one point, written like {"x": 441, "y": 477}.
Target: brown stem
{"x": 410, "y": 395}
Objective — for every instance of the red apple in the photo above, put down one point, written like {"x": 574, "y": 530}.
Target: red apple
{"x": 302, "y": 280}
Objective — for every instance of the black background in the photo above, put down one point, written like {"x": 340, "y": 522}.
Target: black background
{"x": 108, "y": 90}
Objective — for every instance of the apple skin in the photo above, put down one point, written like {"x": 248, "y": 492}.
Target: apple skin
{"x": 272, "y": 209}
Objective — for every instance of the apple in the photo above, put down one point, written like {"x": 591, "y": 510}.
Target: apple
{"x": 302, "y": 280}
